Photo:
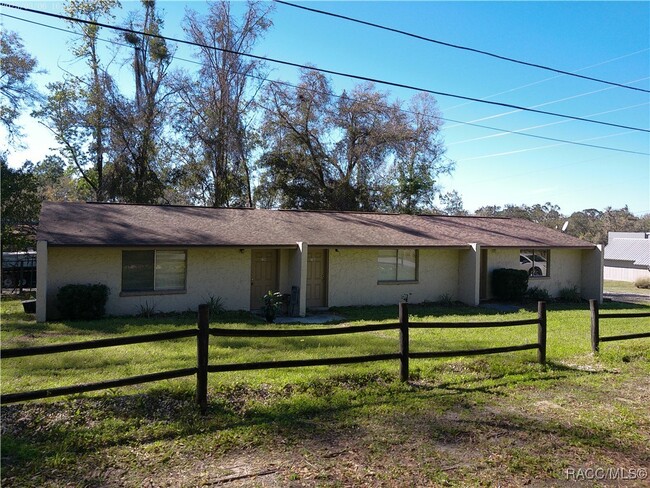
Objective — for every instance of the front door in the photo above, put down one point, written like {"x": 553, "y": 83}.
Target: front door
{"x": 316, "y": 278}
{"x": 264, "y": 275}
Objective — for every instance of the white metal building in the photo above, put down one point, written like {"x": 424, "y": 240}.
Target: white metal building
{"x": 627, "y": 256}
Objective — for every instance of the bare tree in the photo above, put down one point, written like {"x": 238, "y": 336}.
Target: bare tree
{"x": 136, "y": 125}
{"x": 357, "y": 151}
{"x": 215, "y": 107}
{"x": 76, "y": 109}
{"x": 16, "y": 87}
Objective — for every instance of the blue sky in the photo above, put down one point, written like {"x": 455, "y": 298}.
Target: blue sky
{"x": 608, "y": 40}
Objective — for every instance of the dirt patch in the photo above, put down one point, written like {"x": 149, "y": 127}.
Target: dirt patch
{"x": 636, "y": 298}
{"x": 353, "y": 432}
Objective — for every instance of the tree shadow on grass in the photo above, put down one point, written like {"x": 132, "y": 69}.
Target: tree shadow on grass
{"x": 423, "y": 311}
{"x": 326, "y": 412}
{"x": 420, "y": 310}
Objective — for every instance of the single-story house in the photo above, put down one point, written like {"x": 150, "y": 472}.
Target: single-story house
{"x": 627, "y": 256}
{"x": 173, "y": 258}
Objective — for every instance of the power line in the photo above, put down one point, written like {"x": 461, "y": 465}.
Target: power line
{"x": 61, "y": 29}
{"x": 561, "y": 141}
{"x": 548, "y": 124}
{"x": 564, "y": 99}
{"x": 322, "y": 70}
{"x": 518, "y": 151}
{"x": 520, "y": 131}
{"x": 457, "y": 46}
{"x": 460, "y": 122}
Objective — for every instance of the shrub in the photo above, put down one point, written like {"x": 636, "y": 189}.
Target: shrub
{"x": 570, "y": 295}
{"x": 537, "y": 294}
{"x": 147, "y": 310}
{"x": 82, "y": 302}
{"x": 643, "y": 283}
{"x": 272, "y": 303}
{"x": 215, "y": 305}
{"x": 445, "y": 300}
{"x": 509, "y": 284}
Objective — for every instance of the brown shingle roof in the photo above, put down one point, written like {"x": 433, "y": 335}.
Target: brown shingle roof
{"x": 94, "y": 224}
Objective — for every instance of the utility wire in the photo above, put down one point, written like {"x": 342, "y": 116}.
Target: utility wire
{"x": 502, "y": 132}
{"x": 61, "y": 29}
{"x": 564, "y": 99}
{"x": 322, "y": 70}
{"x": 548, "y": 124}
{"x": 505, "y": 132}
{"x": 528, "y": 149}
{"x": 457, "y": 46}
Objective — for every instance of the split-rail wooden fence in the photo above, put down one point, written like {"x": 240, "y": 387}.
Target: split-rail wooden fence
{"x": 596, "y": 338}
{"x": 203, "y": 367}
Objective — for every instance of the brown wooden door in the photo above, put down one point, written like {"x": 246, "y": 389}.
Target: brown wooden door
{"x": 264, "y": 275}
{"x": 317, "y": 278}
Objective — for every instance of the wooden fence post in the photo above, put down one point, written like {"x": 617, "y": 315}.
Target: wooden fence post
{"x": 202, "y": 339}
{"x": 404, "y": 341}
{"x": 595, "y": 325}
{"x": 541, "y": 332}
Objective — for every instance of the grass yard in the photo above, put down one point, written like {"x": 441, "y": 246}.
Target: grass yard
{"x": 485, "y": 420}
{"x": 611, "y": 286}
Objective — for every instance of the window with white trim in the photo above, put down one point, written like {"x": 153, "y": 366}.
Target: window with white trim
{"x": 536, "y": 261}
{"x": 397, "y": 265}
{"x": 153, "y": 270}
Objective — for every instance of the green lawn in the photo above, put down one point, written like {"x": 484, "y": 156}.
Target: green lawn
{"x": 612, "y": 286}
{"x": 461, "y": 421}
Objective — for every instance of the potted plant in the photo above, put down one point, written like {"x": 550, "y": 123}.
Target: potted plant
{"x": 272, "y": 303}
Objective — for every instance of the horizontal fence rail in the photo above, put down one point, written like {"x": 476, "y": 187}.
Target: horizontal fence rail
{"x": 403, "y": 355}
{"x": 301, "y": 332}
{"x": 297, "y": 363}
{"x": 540, "y": 345}
{"x": 596, "y": 338}
{"x": 470, "y": 325}
{"x": 102, "y": 385}
{"x": 96, "y": 344}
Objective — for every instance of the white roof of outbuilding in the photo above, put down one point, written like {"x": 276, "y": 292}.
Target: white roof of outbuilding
{"x": 634, "y": 247}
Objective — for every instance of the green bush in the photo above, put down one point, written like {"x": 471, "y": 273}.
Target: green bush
{"x": 570, "y": 295}
{"x": 642, "y": 283}
{"x": 537, "y": 294}
{"x": 82, "y": 302}
{"x": 215, "y": 305}
{"x": 509, "y": 284}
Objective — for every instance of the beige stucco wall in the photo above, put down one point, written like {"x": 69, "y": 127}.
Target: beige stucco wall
{"x": 218, "y": 272}
{"x": 41, "y": 281}
{"x": 568, "y": 268}
{"x": 592, "y": 273}
{"x": 566, "y": 271}
{"x": 353, "y": 278}
{"x": 285, "y": 270}
{"x": 469, "y": 261}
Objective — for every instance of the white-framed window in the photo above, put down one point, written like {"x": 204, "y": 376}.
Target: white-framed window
{"x": 536, "y": 261}
{"x": 397, "y": 265}
{"x": 154, "y": 270}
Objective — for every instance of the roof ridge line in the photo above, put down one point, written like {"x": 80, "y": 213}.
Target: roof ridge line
{"x": 299, "y": 210}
